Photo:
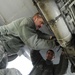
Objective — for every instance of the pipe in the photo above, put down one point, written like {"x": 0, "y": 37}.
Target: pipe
{"x": 55, "y": 20}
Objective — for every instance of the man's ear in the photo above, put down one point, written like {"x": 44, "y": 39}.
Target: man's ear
{"x": 36, "y": 19}
{"x": 53, "y": 57}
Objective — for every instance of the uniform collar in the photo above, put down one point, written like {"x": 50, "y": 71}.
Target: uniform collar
{"x": 49, "y": 62}
{"x": 32, "y": 24}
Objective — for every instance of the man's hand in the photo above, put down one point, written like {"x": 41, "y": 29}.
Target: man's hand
{"x": 52, "y": 37}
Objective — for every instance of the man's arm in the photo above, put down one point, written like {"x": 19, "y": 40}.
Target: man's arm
{"x": 62, "y": 66}
{"x": 31, "y": 38}
{"x": 35, "y": 56}
{"x": 43, "y": 35}
{"x": 11, "y": 28}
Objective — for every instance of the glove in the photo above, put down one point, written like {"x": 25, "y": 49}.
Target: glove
{"x": 56, "y": 43}
{"x": 53, "y": 37}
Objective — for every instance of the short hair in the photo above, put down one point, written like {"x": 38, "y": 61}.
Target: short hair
{"x": 38, "y": 15}
{"x": 51, "y": 51}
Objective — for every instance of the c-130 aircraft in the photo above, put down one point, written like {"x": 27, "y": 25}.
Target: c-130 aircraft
{"x": 60, "y": 18}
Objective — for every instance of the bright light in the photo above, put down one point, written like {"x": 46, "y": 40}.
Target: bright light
{"x": 22, "y": 64}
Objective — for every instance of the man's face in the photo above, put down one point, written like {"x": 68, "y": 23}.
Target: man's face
{"x": 49, "y": 55}
{"x": 39, "y": 22}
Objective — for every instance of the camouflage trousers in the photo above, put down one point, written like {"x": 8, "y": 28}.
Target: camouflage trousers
{"x": 10, "y": 71}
